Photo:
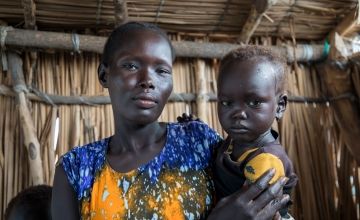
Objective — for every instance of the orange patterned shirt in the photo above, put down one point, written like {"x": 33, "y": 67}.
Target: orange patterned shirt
{"x": 176, "y": 184}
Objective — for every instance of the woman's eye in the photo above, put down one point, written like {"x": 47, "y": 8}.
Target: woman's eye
{"x": 164, "y": 71}
{"x": 254, "y": 103}
{"x": 130, "y": 66}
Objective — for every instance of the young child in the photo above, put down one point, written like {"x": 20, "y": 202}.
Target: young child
{"x": 32, "y": 203}
{"x": 251, "y": 95}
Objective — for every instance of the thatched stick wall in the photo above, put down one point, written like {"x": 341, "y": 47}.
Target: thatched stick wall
{"x": 347, "y": 112}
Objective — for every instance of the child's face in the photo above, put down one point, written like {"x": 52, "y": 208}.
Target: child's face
{"x": 247, "y": 99}
{"x": 139, "y": 78}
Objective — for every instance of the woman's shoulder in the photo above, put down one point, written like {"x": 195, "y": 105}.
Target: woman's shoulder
{"x": 82, "y": 162}
{"x": 85, "y": 154}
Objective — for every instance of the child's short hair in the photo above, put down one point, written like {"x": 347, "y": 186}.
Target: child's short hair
{"x": 114, "y": 42}
{"x": 249, "y": 52}
{"x": 31, "y": 203}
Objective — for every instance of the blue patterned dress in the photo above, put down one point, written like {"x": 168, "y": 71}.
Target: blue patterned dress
{"x": 176, "y": 184}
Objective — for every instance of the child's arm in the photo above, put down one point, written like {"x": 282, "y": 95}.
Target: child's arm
{"x": 259, "y": 164}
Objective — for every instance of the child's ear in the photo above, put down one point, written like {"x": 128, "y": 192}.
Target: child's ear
{"x": 103, "y": 72}
{"x": 281, "y": 106}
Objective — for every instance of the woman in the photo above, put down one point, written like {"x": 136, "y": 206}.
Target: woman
{"x": 148, "y": 169}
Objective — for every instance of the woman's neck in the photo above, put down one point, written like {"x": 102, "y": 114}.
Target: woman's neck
{"x": 130, "y": 137}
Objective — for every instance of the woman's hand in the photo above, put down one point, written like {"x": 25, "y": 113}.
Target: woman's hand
{"x": 259, "y": 201}
{"x": 187, "y": 118}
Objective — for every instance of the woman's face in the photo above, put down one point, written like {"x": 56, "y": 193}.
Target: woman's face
{"x": 139, "y": 77}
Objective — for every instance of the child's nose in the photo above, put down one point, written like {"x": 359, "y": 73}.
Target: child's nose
{"x": 240, "y": 114}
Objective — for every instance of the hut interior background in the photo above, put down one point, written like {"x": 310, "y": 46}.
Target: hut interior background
{"x": 51, "y": 101}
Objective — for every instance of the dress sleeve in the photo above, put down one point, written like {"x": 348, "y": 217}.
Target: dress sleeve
{"x": 206, "y": 133}
{"x": 260, "y": 164}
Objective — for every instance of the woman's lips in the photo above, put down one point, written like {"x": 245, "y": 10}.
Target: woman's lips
{"x": 145, "y": 101}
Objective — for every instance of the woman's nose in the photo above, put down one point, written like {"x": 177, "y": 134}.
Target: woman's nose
{"x": 146, "y": 84}
{"x": 145, "y": 79}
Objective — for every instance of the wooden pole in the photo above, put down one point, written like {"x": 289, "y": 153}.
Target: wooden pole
{"x": 121, "y": 14}
{"x": 29, "y": 13}
{"x": 202, "y": 98}
{"x": 258, "y": 9}
{"x": 30, "y": 139}
{"x": 174, "y": 97}
{"x": 64, "y": 41}
{"x": 348, "y": 25}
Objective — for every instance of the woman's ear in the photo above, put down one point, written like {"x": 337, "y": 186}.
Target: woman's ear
{"x": 103, "y": 72}
{"x": 281, "y": 106}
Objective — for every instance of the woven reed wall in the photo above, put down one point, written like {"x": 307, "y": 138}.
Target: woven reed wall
{"x": 328, "y": 175}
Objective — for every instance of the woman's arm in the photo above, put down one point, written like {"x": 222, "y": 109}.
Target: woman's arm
{"x": 260, "y": 201}
{"x": 64, "y": 204}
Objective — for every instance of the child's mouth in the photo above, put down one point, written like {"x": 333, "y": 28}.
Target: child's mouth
{"x": 239, "y": 129}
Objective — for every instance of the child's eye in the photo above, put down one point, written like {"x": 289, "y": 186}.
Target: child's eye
{"x": 225, "y": 103}
{"x": 254, "y": 103}
{"x": 130, "y": 66}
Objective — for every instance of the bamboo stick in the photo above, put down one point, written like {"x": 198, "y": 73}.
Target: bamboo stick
{"x": 201, "y": 98}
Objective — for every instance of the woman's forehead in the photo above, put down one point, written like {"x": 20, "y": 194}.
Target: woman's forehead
{"x": 146, "y": 43}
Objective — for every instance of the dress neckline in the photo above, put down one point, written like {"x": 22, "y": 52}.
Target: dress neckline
{"x": 142, "y": 166}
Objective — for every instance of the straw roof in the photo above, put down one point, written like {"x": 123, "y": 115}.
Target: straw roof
{"x": 312, "y": 20}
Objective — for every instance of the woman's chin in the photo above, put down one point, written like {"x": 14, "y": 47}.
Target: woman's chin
{"x": 145, "y": 118}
